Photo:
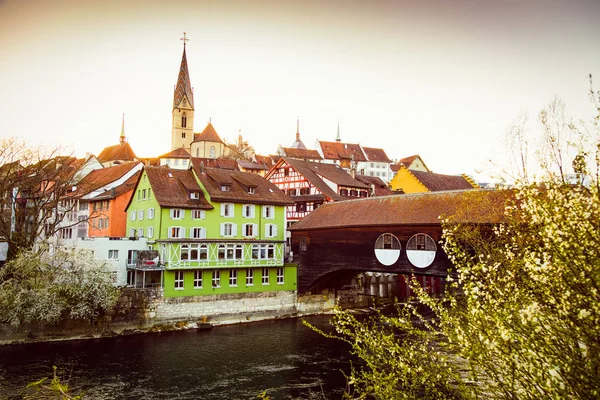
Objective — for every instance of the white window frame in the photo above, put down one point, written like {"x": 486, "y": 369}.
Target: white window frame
{"x": 141, "y": 215}
{"x": 253, "y": 228}
{"x": 177, "y": 213}
{"x": 151, "y": 213}
{"x": 265, "y": 277}
{"x": 179, "y": 280}
{"x": 133, "y": 215}
{"x": 270, "y": 230}
{"x": 280, "y": 276}
{"x": 268, "y": 212}
{"x": 198, "y": 214}
{"x": 181, "y": 232}
{"x": 140, "y": 232}
{"x": 216, "y": 278}
{"x": 249, "y": 277}
{"x": 198, "y": 279}
{"x": 233, "y": 278}
{"x": 248, "y": 210}
{"x": 150, "y": 231}
{"x": 223, "y": 227}
{"x": 202, "y": 232}
{"x": 113, "y": 254}
{"x": 227, "y": 210}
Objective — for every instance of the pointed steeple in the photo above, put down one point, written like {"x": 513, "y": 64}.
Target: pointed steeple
{"x": 183, "y": 88}
{"x": 122, "y": 137}
{"x": 338, "y": 138}
{"x": 298, "y": 143}
{"x": 297, "y": 129}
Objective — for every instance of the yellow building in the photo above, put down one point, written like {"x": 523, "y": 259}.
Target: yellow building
{"x": 415, "y": 181}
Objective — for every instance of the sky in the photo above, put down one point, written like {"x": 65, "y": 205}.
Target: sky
{"x": 442, "y": 79}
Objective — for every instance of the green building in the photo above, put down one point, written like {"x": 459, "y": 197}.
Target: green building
{"x": 213, "y": 231}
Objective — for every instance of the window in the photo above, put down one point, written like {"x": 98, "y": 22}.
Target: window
{"x": 300, "y": 207}
{"x": 248, "y": 211}
{"x": 194, "y": 195}
{"x": 228, "y": 229}
{"x": 225, "y": 188}
{"x": 66, "y": 233}
{"x": 178, "y": 280}
{"x": 149, "y": 193}
{"x": 268, "y": 212}
{"x": 113, "y": 254}
{"x": 197, "y": 233}
{"x": 387, "y": 249}
{"x": 250, "y": 230}
{"x": 354, "y": 193}
{"x": 198, "y": 214}
{"x": 211, "y": 152}
{"x": 151, "y": 213}
{"x": 197, "y": 279}
{"x": 233, "y": 277}
{"x": 265, "y": 276}
{"x": 177, "y": 213}
{"x": 421, "y": 250}
{"x": 141, "y": 215}
{"x": 133, "y": 215}
{"x": 184, "y": 252}
{"x": 182, "y": 136}
{"x": 150, "y": 231}
{"x": 304, "y": 191}
{"x": 184, "y": 120}
{"x": 263, "y": 251}
{"x": 132, "y": 232}
{"x": 303, "y": 246}
{"x": 176, "y": 232}
{"x": 140, "y": 232}
{"x": 100, "y": 223}
{"x": 230, "y": 251}
{"x": 286, "y": 171}
{"x": 249, "y": 277}
{"x": 344, "y": 192}
{"x": 216, "y": 278}
{"x": 251, "y": 190}
{"x": 280, "y": 276}
{"x": 271, "y": 230}
{"x": 227, "y": 210}
{"x": 143, "y": 194}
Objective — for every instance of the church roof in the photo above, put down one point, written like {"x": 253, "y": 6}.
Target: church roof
{"x": 208, "y": 135}
{"x": 183, "y": 88}
{"x": 121, "y": 152}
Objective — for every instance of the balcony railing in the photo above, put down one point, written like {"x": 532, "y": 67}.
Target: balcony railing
{"x": 147, "y": 265}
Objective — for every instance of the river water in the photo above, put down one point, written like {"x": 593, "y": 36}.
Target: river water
{"x": 283, "y": 357}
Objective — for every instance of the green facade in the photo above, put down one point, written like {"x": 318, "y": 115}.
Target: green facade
{"x": 192, "y": 240}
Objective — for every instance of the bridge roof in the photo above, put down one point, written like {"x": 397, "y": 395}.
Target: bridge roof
{"x": 466, "y": 206}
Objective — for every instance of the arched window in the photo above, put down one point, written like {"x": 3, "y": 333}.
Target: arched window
{"x": 421, "y": 250}
{"x": 387, "y": 249}
{"x": 184, "y": 120}
{"x": 212, "y": 152}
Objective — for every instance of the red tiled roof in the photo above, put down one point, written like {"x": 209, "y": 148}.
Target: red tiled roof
{"x": 101, "y": 177}
{"x": 207, "y": 135}
{"x": 470, "y": 206}
{"x": 121, "y": 151}
{"x": 129, "y": 184}
{"x": 341, "y": 151}
{"x": 376, "y": 155}
{"x": 315, "y": 172}
{"x": 177, "y": 153}
{"x": 222, "y": 163}
{"x": 264, "y": 191}
{"x": 172, "y": 188}
{"x": 251, "y": 165}
{"x": 267, "y": 161}
{"x": 375, "y": 182}
{"x": 303, "y": 154}
{"x": 438, "y": 182}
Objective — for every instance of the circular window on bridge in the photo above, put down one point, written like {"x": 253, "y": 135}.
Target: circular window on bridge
{"x": 421, "y": 250}
{"x": 387, "y": 249}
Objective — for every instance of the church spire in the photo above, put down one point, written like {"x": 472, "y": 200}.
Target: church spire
{"x": 297, "y": 129}
{"x": 338, "y": 137}
{"x": 122, "y": 137}
{"x": 183, "y": 88}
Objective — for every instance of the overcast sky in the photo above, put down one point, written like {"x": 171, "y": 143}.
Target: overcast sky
{"x": 443, "y": 79}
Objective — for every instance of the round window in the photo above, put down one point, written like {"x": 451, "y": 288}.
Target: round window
{"x": 387, "y": 249}
{"x": 421, "y": 250}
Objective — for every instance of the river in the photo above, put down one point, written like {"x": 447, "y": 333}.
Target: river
{"x": 283, "y": 357}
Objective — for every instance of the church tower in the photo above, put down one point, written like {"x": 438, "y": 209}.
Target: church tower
{"x": 183, "y": 107}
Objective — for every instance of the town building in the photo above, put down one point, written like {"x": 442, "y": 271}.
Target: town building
{"x": 417, "y": 181}
{"x": 215, "y": 231}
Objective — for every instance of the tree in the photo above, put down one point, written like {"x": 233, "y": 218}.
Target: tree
{"x": 240, "y": 150}
{"x": 522, "y": 320}
{"x": 33, "y": 183}
{"x": 37, "y": 287}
